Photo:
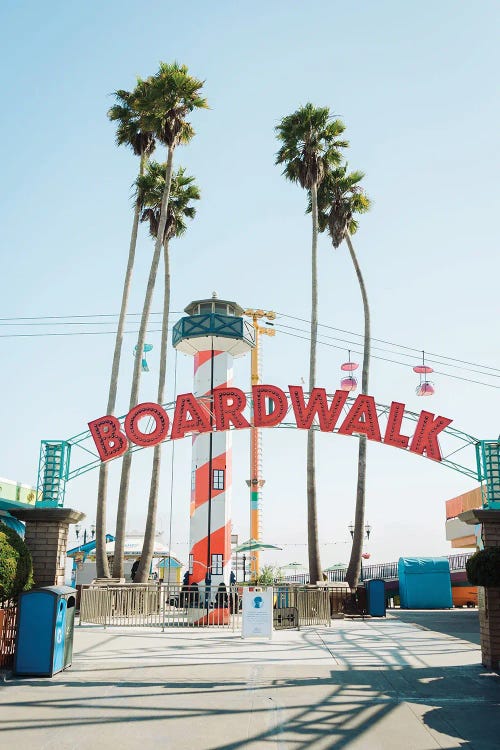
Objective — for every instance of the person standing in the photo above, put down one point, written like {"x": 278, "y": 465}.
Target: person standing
{"x": 135, "y": 567}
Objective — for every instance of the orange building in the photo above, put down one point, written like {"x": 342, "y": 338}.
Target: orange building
{"x": 460, "y": 534}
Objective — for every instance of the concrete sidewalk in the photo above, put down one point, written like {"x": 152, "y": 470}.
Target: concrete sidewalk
{"x": 384, "y": 684}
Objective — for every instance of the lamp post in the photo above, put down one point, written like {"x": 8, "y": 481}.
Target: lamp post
{"x": 367, "y": 533}
{"x": 91, "y": 530}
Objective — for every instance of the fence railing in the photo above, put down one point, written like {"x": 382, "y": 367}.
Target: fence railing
{"x": 8, "y": 629}
{"x": 159, "y": 605}
{"x": 386, "y": 571}
{"x": 315, "y": 605}
{"x": 457, "y": 562}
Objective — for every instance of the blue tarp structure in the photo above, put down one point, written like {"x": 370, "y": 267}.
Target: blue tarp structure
{"x": 424, "y": 582}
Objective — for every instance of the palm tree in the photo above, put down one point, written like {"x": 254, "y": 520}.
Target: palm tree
{"x": 162, "y": 102}
{"x": 340, "y": 197}
{"x": 310, "y": 147}
{"x": 129, "y": 133}
{"x": 183, "y": 191}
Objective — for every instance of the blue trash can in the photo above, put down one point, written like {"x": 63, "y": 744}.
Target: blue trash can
{"x": 375, "y": 591}
{"x": 44, "y": 641}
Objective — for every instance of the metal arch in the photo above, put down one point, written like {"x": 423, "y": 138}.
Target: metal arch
{"x": 452, "y": 440}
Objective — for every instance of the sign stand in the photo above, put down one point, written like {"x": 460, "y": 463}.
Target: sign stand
{"x": 257, "y": 612}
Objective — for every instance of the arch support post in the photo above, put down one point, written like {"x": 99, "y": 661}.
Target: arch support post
{"x": 488, "y": 598}
{"x": 46, "y": 538}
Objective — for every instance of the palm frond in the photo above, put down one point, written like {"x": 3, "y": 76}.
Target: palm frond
{"x": 131, "y": 130}
{"x": 340, "y": 197}
{"x": 309, "y": 144}
{"x": 166, "y": 100}
{"x": 183, "y": 191}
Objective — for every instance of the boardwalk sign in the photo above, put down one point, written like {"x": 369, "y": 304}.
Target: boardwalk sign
{"x": 224, "y": 408}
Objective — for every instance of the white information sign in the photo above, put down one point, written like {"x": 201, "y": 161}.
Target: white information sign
{"x": 257, "y": 612}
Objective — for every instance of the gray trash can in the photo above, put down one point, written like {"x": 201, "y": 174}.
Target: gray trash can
{"x": 375, "y": 591}
{"x": 44, "y": 641}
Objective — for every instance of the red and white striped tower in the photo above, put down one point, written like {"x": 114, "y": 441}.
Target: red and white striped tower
{"x": 214, "y": 333}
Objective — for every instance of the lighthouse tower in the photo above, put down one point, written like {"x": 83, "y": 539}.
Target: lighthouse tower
{"x": 214, "y": 333}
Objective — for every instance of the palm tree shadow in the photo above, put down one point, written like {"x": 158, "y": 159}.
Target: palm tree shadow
{"x": 303, "y": 707}
{"x": 456, "y": 702}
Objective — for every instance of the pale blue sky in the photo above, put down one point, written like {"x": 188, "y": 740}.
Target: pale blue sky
{"x": 415, "y": 83}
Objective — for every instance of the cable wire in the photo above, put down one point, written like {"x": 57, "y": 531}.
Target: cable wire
{"x": 172, "y": 457}
{"x": 99, "y": 319}
{"x": 390, "y": 343}
{"x": 382, "y": 349}
{"x": 393, "y": 361}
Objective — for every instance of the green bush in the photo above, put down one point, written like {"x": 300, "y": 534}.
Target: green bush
{"x": 16, "y": 567}
{"x": 267, "y": 575}
{"x": 483, "y": 568}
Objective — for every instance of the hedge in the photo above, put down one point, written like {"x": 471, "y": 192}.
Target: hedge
{"x": 16, "y": 567}
{"x": 483, "y": 568}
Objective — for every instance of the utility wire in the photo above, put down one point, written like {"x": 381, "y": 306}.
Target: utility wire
{"x": 280, "y": 328}
{"x": 79, "y": 323}
{"x": 5, "y": 321}
{"x": 392, "y": 361}
{"x": 172, "y": 462}
{"x": 390, "y": 343}
{"x": 72, "y": 333}
{"x": 383, "y": 349}
{"x": 96, "y": 319}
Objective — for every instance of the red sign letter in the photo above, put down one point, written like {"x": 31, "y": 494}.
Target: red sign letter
{"x": 327, "y": 415}
{"x": 392, "y": 435}
{"x": 280, "y": 405}
{"x": 109, "y": 440}
{"x": 363, "y": 418}
{"x": 189, "y": 416}
{"x": 426, "y": 432}
{"x": 228, "y": 405}
{"x": 147, "y": 409}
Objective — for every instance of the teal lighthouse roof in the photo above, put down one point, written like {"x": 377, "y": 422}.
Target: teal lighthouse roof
{"x": 219, "y": 321}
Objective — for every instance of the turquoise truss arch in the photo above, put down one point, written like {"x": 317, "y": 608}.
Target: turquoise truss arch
{"x": 461, "y": 452}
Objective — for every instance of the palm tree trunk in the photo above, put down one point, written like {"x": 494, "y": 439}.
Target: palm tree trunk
{"x": 121, "y": 515}
{"x": 102, "y": 567}
{"x": 149, "y": 534}
{"x": 354, "y": 567}
{"x": 315, "y": 572}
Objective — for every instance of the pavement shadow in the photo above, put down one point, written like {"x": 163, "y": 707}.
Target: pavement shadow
{"x": 301, "y": 707}
{"x": 463, "y": 624}
{"x": 459, "y": 702}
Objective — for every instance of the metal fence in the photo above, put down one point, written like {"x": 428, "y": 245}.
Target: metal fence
{"x": 160, "y": 605}
{"x": 386, "y": 571}
{"x": 8, "y": 629}
{"x": 457, "y": 562}
{"x": 315, "y": 605}
{"x": 166, "y": 605}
